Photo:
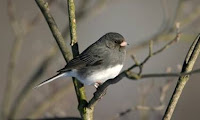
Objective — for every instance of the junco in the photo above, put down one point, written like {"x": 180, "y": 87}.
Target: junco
{"x": 101, "y": 61}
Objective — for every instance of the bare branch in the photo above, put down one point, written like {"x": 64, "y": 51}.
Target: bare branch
{"x": 79, "y": 87}
{"x": 102, "y": 88}
{"x": 176, "y": 39}
{"x": 54, "y": 29}
{"x": 133, "y": 76}
{"x": 187, "y": 67}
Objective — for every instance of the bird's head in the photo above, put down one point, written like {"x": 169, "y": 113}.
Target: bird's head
{"x": 114, "y": 40}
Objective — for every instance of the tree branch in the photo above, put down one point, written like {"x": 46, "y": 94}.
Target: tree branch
{"x": 134, "y": 76}
{"x": 79, "y": 87}
{"x": 187, "y": 67}
{"x": 54, "y": 29}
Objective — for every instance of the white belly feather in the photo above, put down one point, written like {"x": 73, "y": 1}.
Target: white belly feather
{"x": 99, "y": 76}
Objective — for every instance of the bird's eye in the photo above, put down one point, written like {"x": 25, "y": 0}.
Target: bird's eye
{"x": 116, "y": 41}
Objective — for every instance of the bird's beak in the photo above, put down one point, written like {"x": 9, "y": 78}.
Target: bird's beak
{"x": 123, "y": 44}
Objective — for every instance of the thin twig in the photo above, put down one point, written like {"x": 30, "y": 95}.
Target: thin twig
{"x": 72, "y": 22}
{"x": 133, "y": 76}
{"x": 140, "y": 65}
{"x": 187, "y": 67}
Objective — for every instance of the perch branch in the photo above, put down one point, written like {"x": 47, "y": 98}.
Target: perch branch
{"x": 86, "y": 114}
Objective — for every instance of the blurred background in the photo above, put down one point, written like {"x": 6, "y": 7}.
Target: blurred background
{"x": 29, "y": 55}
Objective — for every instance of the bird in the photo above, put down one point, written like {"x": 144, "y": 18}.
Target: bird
{"x": 101, "y": 61}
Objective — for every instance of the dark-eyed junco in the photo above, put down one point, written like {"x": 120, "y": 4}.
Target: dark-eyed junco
{"x": 101, "y": 61}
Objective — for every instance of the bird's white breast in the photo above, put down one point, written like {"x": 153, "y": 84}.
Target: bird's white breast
{"x": 102, "y": 75}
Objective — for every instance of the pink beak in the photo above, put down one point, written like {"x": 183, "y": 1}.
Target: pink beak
{"x": 123, "y": 44}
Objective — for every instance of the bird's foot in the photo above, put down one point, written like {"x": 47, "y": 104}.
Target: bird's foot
{"x": 96, "y": 85}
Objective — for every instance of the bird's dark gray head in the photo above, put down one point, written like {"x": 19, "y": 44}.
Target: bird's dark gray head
{"x": 113, "y": 40}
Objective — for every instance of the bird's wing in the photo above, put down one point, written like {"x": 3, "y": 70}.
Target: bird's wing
{"x": 83, "y": 60}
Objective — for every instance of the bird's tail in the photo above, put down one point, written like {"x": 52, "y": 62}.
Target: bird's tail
{"x": 50, "y": 79}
